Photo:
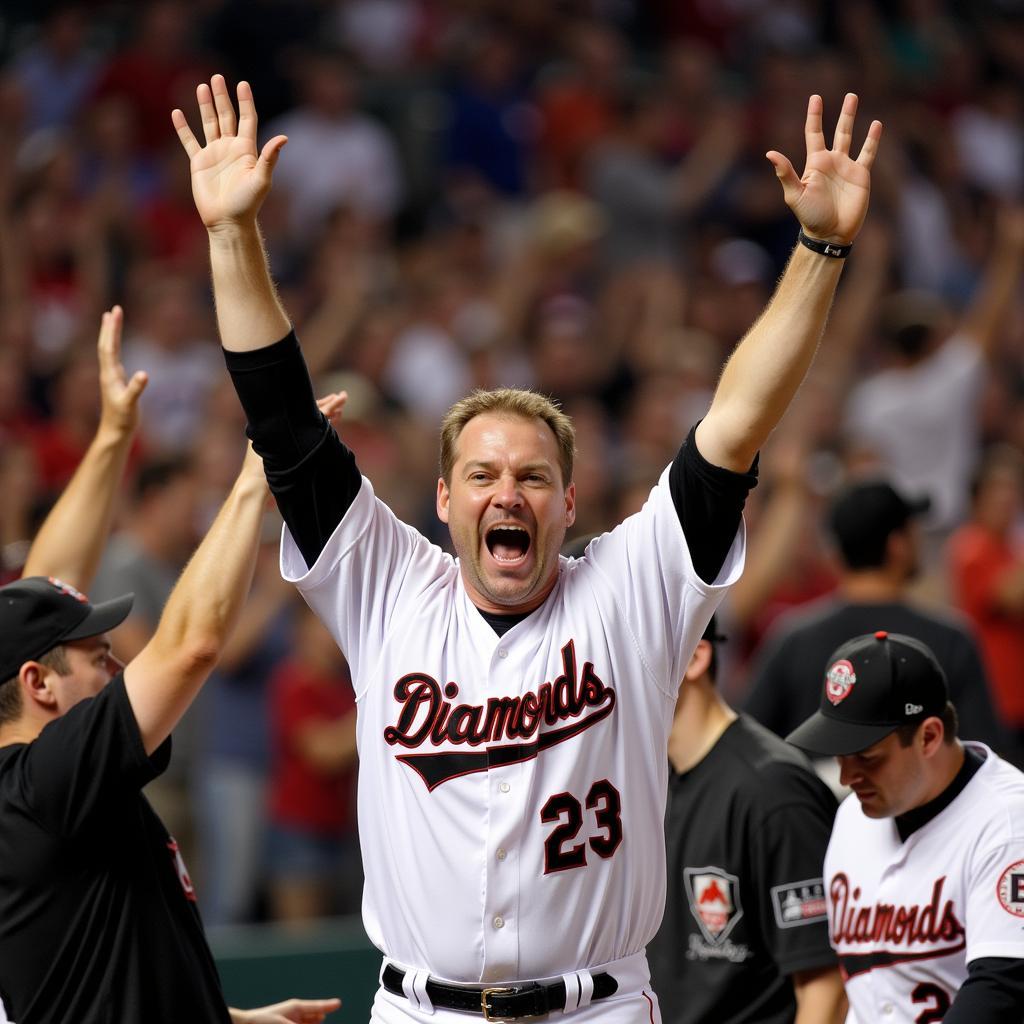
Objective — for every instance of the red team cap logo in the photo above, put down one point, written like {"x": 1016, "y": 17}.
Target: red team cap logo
{"x": 1010, "y": 889}
{"x": 839, "y": 680}
{"x": 714, "y": 901}
{"x": 66, "y": 588}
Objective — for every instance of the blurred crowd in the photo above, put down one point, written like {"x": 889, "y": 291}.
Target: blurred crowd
{"x": 570, "y": 196}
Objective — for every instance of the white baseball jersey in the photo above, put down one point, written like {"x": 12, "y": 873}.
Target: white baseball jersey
{"x": 512, "y": 789}
{"x": 907, "y": 918}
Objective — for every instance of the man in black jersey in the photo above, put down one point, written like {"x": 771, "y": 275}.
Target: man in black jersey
{"x": 99, "y": 923}
{"x": 503, "y": 697}
{"x": 745, "y": 935}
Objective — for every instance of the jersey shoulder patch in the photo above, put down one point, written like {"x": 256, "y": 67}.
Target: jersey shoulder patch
{"x": 1010, "y": 889}
{"x": 799, "y": 903}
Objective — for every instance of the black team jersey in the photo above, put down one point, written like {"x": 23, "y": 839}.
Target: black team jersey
{"x": 98, "y": 919}
{"x": 747, "y": 830}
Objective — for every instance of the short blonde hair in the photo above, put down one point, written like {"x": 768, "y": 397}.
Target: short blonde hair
{"x": 527, "y": 405}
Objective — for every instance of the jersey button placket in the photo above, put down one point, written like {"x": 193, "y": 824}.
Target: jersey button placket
{"x": 501, "y": 898}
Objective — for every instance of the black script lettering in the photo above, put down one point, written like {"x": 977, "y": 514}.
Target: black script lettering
{"x": 425, "y": 716}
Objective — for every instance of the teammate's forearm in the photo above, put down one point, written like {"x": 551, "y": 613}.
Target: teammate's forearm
{"x": 764, "y": 372}
{"x": 71, "y": 540}
{"x": 820, "y": 998}
{"x": 249, "y": 313}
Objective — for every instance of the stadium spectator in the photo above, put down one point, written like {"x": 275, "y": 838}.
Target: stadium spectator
{"x": 987, "y": 563}
{"x": 313, "y": 851}
{"x": 337, "y": 156}
{"x": 919, "y": 417}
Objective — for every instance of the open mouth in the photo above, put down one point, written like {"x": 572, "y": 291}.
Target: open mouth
{"x": 508, "y": 544}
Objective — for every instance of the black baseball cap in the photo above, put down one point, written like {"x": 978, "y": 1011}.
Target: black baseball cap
{"x": 39, "y": 613}
{"x": 865, "y": 513}
{"x": 873, "y": 685}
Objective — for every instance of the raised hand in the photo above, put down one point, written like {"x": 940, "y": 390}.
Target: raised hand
{"x": 119, "y": 397}
{"x": 332, "y": 406}
{"x": 229, "y": 177}
{"x": 830, "y": 199}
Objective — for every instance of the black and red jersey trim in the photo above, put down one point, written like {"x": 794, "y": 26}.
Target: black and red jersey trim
{"x": 443, "y": 766}
{"x": 852, "y": 964}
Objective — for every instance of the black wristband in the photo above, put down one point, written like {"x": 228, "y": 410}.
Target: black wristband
{"x": 822, "y": 248}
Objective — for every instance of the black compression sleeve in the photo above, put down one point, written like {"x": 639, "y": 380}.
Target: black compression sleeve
{"x": 992, "y": 994}
{"x": 312, "y": 474}
{"x": 709, "y": 501}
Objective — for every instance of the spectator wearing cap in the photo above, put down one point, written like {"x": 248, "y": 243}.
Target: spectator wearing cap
{"x": 924, "y": 874}
{"x": 744, "y": 936}
{"x": 877, "y": 539}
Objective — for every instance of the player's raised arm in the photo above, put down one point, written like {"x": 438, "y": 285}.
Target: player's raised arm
{"x": 230, "y": 180}
{"x": 830, "y": 200}
{"x": 71, "y": 540}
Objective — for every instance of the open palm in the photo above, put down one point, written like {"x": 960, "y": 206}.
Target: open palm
{"x": 230, "y": 178}
{"x": 119, "y": 396}
{"x": 830, "y": 199}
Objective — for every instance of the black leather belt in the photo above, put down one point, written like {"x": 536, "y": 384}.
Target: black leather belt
{"x": 501, "y": 1002}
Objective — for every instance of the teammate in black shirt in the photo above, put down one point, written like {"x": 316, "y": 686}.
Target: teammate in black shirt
{"x": 99, "y": 922}
{"x": 874, "y": 527}
{"x": 745, "y": 937}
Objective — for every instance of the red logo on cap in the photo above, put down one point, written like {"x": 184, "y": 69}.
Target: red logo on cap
{"x": 839, "y": 680}
{"x": 66, "y": 588}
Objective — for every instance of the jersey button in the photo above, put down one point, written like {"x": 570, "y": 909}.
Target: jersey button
{"x": 502, "y": 653}
{"x": 504, "y": 787}
{"x": 500, "y": 853}
{"x": 887, "y": 1009}
{"x": 499, "y": 921}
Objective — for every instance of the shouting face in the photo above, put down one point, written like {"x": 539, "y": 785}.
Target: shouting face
{"x": 507, "y": 509}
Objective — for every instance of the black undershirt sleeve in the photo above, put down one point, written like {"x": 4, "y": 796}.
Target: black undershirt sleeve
{"x": 709, "y": 501}
{"x": 312, "y": 474}
{"x": 992, "y": 994}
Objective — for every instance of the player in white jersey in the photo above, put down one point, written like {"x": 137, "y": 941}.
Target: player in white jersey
{"x": 924, "y": 874}
{"x": 513, "y": 706}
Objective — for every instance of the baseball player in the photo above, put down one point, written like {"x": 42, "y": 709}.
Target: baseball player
{"x": 924, "y": 874}
{"x": 513, "y": 706}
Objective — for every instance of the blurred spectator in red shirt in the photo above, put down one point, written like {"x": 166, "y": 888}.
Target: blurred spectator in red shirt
{"x": 314, "y": 853}
{"x": 157, "y": 71}
{"x": 987, "y": 561}
{"x": 578, "y": 101}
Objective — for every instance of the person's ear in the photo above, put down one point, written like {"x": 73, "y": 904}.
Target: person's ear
{"x": 700, "y": 662}
{"x": 931, "y": 735}
{"x": 443, "y": 499}
{"x": 35, "y": 681}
